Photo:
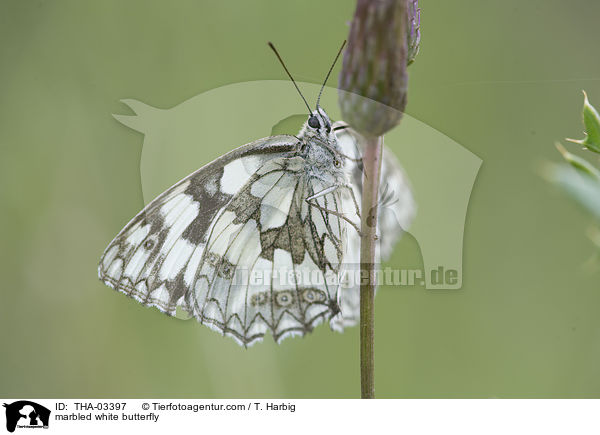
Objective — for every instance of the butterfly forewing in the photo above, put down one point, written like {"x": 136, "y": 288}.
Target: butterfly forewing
{"x": 221, "y": 244}
{"x": 145, "y": 259}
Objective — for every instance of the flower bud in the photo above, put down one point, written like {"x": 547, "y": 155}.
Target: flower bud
{"x": 373, "y": 81}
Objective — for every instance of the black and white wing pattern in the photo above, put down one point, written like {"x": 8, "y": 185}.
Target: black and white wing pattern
{"x": 233, "y": 244}
{"x": 397, "y": 209}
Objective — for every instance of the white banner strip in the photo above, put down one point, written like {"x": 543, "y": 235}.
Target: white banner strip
{"x": 283, "y": 417}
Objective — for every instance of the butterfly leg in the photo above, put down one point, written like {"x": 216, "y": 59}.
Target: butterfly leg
{"x": 356, "y": 206}
{"x": 322, "y": 193}
{"x": 347, "y": 186}
{"x": 333, "y": 212}
{"x": 336, "y": 213}
{"x": 331, "y": 189}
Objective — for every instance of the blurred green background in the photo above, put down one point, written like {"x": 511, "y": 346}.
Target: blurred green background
{"x": 503, "y": 79}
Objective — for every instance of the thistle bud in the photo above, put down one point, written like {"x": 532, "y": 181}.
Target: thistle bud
{"x": 373, "y": 81}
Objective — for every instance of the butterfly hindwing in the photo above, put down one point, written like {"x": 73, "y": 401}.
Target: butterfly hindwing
{"x": 396, "y": 211}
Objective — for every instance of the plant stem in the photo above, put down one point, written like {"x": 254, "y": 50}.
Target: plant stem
{"x": 371, "y": 178}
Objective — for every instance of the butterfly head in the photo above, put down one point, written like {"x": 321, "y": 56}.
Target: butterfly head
{"x": 319, "y": 142}
{"x": 318, "y": 127}
{"x": 319, "y": 121}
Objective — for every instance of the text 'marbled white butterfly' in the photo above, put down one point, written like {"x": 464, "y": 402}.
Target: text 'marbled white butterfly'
{"x": 259, "y": 239}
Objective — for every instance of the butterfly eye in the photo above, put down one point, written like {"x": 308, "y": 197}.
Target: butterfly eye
{"x": 313, "y": 122}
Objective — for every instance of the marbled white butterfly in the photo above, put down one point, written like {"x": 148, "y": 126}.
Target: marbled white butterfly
{"x": 259, "y": 239}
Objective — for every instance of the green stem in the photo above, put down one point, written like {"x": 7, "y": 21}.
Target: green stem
{"x": 371, "y": 178}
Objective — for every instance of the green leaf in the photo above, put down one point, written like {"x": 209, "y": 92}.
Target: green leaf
{"x": 584, "y": 189}
{"x": 581, "y": 165}
{"x": 591, "y": 121}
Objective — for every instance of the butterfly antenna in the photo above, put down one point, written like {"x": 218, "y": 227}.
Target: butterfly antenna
{"x": 330, "y": 69}
{"x": 289, "y": 75}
